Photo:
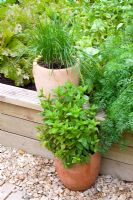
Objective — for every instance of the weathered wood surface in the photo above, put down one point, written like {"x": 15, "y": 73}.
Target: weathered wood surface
{"x": 20, "y": 142}
{"x": 117, "y": 169}
{"x": 19, "y": 96}
{"x": 19, "y": 110}
{"x": 18, "y": 126}
{"x": 124, "y": 156}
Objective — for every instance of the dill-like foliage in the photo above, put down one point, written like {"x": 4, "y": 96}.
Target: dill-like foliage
{"x": 115, "y": 91}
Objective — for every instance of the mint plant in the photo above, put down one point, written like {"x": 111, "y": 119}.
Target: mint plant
{"x": 69, "y": 130}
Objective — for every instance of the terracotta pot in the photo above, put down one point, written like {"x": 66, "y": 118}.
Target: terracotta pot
{"x": 49, "y": 79}
{"x": 80, "y": 176}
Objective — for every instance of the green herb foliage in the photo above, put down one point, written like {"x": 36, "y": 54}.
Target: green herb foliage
{"x": 8, "y": 1}
{"x": 119, "y": 119}
{"x": 115, "y": 90}
{"x": 54, "y": 44}
{"x": 70, "y": 130}
{"x": 90, "y": 22}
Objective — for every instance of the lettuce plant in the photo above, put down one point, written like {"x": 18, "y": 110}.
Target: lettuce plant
{"x": 89, "y": 21}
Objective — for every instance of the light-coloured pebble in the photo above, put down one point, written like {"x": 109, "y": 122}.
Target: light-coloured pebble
{"x": 37, "y": 179}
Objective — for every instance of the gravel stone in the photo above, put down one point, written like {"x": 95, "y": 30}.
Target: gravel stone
{"x": 36, "y": 177}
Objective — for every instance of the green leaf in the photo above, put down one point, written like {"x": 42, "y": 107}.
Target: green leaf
{"x": 69, "y": 130}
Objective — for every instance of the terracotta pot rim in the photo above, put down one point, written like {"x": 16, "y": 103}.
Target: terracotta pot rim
{"x": 78, "y": 164}
{"x": 35, "y": 64}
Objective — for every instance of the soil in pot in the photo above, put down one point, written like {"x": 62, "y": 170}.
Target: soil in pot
{"x": 54, "y": 66}
{"x": 80, "y": 176}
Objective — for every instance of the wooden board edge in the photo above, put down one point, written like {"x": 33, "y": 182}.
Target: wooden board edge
{"x": 18, "y": 126}
{"x": 19, "y": 96}
{"x": 117, "y": 169}
{"x": 20, "y": 112}
{"x": 27, "y": 144}
{"x": 124, "y": 156}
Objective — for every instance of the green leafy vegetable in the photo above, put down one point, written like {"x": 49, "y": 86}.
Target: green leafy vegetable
{"x": 90, "y": 22}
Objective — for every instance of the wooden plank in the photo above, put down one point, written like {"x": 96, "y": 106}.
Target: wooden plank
{"x": 25, "y": 98}
{"x": 18, "y": 126}
{"x": 125, "y": 156}
{"x": 128, "y": 137}
{"x": 5, "y": 190}
{"x": 19, "y": 96}
{"x": 117, "y": 169}
{"x": 20, "y": 112}
{"x": 27, "y": 144}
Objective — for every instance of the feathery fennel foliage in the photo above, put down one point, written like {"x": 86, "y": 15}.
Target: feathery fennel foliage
{"x": 115, "y": 92}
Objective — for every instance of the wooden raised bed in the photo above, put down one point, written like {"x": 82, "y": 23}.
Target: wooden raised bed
{"x": 19, "y": 114}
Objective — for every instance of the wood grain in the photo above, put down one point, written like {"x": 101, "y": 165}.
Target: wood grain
{"x": 27, "y": 144}
{"x": 18, "y": 126}
{"x": 124, "y": 156}
{"x": 19, "y": 115}
{"x": 19, "y": 96}
{"x": 117, "y": 169}
{"x": 20, "y": 112}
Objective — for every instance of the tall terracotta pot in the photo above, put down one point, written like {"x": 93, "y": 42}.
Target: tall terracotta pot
{"x": 80, "y": 176}
{"x": 49, "y": 79}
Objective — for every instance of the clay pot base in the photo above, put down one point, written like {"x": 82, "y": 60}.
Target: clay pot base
{"x": 80, "y": 176}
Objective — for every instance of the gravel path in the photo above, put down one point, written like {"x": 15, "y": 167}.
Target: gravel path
{"x": 36, "y": 178}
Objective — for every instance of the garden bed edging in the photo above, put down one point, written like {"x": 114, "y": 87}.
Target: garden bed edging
{"x": 19, "y": 114}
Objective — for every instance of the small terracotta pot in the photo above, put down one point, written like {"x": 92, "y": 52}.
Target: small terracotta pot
{"x": 80, "y": 176}
{"x": 49, "y": 79}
